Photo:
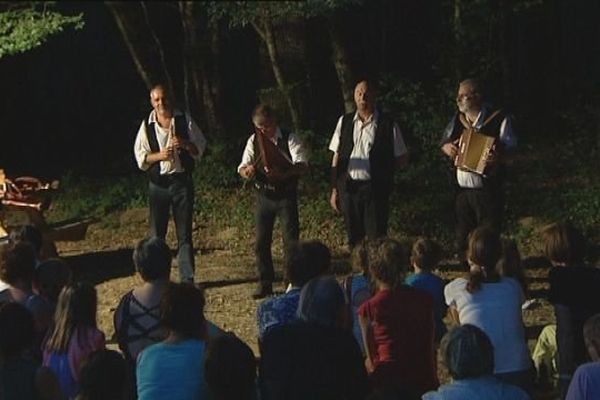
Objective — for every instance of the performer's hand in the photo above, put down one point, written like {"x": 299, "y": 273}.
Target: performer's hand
{"x": 334, "y": 201}
{"x": 369, "y": 365}
{"x": 166, "y": 153}
{"x": 248, "y": 171}
{"x": 492, "y": 157}
{"x": 450, "y": 149}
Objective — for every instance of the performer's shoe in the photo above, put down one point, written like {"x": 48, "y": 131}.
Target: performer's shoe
{"x": 263, "y": 290}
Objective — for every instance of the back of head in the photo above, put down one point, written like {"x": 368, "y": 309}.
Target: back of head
{"x": 17, "y": 263}
{"x": 467, "y": 352}
{"x": 104, "y": 376}
{"x": 182, "y": 310}
{"x": 563, "y": 244}
{"x": 16, "y": 330}
{"x": 230, "y": 368}
{"x": 50, "y": 277}
{"x": 307, "y": 260}
{"x": 591, "y": 334}
{"x": 321, "y": 302}
{"x": 152, "y": 259}
{"x": 30, "y": 234}
{"x": 425, "y": 254}
{"x": 484, "y": 252}
{"x": 389, "y": 262}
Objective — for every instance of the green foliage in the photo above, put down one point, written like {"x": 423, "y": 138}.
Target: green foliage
{"x": 22, "y": 29}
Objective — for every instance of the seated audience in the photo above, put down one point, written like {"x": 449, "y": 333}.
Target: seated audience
{"x": 493, "y": 304}
{"x": 397, "y": 325}
{"x": 104, "y": 377}
{"x": 306, "y": 260}
{"x": 469, "y": 356}
{"x": 74, "y": 335}
{"x": 21, "y": 376}
{"x": 17, "y": 263}
{"x": 424, "y": 257}
{"x": 29, "y": 234}
{"x": 230, "y": 369}
{"x": 574, "y": 294}
{"x": 358, "y": 287}
{"x": 174, "y": 368}
{"x": 585, "y": 384}
{"x": 315, "y": 357}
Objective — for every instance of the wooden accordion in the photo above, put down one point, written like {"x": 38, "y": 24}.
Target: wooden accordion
{"x": 474, "y": 147}
{"x": 272, "y": 156}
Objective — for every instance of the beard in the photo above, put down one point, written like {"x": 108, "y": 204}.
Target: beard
{"x": 465, "y": 106}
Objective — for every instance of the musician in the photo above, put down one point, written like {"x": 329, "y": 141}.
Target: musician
{"x": 480, "y": 198}
{"x": 275, "y": 178}
{"x": 167, "y": 145}
{"x": 368, "y": 146}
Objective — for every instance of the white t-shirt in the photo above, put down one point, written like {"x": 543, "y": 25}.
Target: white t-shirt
{"x": 495, "y": 309}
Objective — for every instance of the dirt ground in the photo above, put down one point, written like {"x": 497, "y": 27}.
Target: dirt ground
{"x": 226, "y": 271}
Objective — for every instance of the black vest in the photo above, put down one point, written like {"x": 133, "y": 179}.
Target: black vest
{"x": 187, "y": 162}
{"x": 261, "y": 179}
{"x": 381, "y": 156}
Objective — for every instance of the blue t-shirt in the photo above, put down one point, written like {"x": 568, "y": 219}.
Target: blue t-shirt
{"x": 173, "y": 371}
{"x": 434, "y": 285}
{"x": 359, "y": 293}
{"x": 278, "y": 310}
{"x": 585, "y": 384}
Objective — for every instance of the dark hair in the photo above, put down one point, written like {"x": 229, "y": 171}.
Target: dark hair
{"x": 17, "y": 263}
{"x": 563, "y": 244}
{"x": 510, "y": 264}
{"x": 28, "y": 233}
{"x": 263, "y": 111}
{"x": 76, "y": 308}
{"x": 307, "y": 260}
{"x": 321, "y": 302}
{"x": 360, "y": 256}
{"x": 16, "y": 330}
{"x": 425, "y": 254}
{"x": 467, "y": 352}
{"x": 388, "y": 260}
{"x": 485, "y": 249}
{"x": 230, "y": 368}
{"x": 182, "y": 310}
{"x": 152, "y": 259}
{"x": 50, "y": 277}
{"x": 104, "y": 376}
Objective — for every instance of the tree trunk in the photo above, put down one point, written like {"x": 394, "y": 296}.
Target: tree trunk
{"x": 264, "y": 29}
{"x": 341, "y": 63}
{"x": 457, "y": 32}
{"x": 159, "y": 48}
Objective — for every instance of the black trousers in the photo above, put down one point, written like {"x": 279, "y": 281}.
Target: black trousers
{"x": 269, "y": 205}
{"x": 365, "y": 211}
{"x": 176, "y": 195}
{"x": 475, "y": 208}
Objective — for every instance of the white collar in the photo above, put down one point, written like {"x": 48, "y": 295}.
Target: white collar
{"x": 372, "y": 118}
{"x": 152, "y": 117}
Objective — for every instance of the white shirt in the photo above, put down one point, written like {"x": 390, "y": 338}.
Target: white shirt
{"x": 496, "y": 310}
{"x": 297, "y": 151}
{"x": 359, "y": 167}
{"x": 141, "y": 147}
{"x": 471, "y": 180}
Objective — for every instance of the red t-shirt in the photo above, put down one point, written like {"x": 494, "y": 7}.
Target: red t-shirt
{"x": 403, "y": 331}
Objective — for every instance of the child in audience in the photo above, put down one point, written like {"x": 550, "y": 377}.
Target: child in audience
{"x": 30, "y": 234}
{"x": 397, "y": 325}
{"x": 585, "y": 384}
{"x": 424, "y": 257}
{"x": 74, "y": 335}
{"x": 17, "y": 263}
{"x": 104, "y": 377}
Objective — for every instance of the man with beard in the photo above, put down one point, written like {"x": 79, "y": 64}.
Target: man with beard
{"x": 480, "y": 198}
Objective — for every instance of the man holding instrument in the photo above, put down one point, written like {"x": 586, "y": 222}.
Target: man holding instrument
{"x": 167, "y": 145}
{"x": 274, "y": 158}
{"x": 480, "y": 198}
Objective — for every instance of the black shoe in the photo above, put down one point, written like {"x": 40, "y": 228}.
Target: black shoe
{"x": 263, "y": 290}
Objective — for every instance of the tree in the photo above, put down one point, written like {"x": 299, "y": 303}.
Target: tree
{"x": 26, "y": 25}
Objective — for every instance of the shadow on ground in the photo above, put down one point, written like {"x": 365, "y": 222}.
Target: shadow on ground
{"x": 101, "y": 266}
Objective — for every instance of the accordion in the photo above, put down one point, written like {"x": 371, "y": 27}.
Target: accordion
{"x": 474, "y": 147}
{"x": 272, "y": 157}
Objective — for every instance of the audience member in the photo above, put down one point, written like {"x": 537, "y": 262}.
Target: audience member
{"x": 397, "y": 325}
{"x": 104, "y": 377}
{"x": 358, "y": 287}
{"x": 574, "y": 293}
{"x": 585, "y": 384}
{"x": 17, "y": 263}
{"x": 315, "y": 357}
{"x": 29, "y": 234}
{"x": 21, "y": 376}
{"x": 509, "y": 266}
{"x": 493, "y": 304}
{"x": 230, "y": 369}
{"x": 306, "y": 260}
{"x": 74, "y": 335}
{"x": 424, "y": 257}
{"x": 469, "y": 356}
{"x": 174, "y": 368}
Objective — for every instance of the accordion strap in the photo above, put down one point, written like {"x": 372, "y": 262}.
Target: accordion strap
{"x": 467, "y": 125}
